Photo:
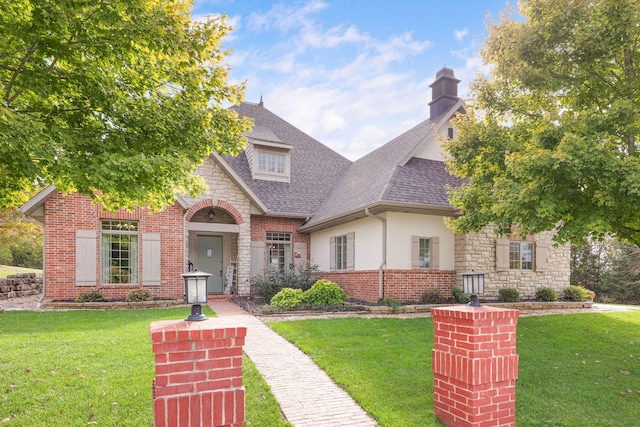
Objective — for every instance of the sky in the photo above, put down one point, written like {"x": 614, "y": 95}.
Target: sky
{"x": 353, "y": 74}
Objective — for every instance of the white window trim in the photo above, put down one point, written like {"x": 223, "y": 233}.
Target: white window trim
{"x": 434, "y": 249}
{"x": 135, "y": 267}
{"x": 271, "y": 176}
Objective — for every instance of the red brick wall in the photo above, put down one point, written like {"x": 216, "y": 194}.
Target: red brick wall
{"x": 260, "y": 225}
{"x": 66, "y": 214}
{"x": 198, "y": 374}
{"x": 402, "y": 285}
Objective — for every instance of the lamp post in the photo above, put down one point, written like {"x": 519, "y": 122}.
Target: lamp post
{"x": 195, "y": 293}
{"x": 473, "y": 284}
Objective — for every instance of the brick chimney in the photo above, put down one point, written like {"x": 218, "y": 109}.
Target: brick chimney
{"x": 444, "y": 92}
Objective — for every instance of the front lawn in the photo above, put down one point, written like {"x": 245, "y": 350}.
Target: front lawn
{"x": 76, "y": 368}
{"x": 575, "y": 370}
{"x": 7, "y": 270}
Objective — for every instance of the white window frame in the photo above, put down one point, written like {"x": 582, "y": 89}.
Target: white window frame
{"x": 417, "y": 258}
{"x": 279, "y": 244}
{"x": 341, "y": 252}
{"x": 271, "y": 165}
{"x": 116, "y": 232}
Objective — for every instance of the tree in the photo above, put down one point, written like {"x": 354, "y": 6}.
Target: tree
{"x": 21, "y": 240}
{"x": 551, "y": 139}
{"x": 120, "y": 99}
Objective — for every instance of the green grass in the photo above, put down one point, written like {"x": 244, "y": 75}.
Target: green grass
{"x": 575, "y": 370}
{"x": 77, "y": 367}
{"x": 6, "y": 270}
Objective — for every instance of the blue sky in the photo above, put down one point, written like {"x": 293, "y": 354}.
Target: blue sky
{"x": 353, "y": 74}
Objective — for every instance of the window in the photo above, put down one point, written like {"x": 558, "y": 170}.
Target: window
{"x": 521, "y": 255}
{"x": 424, "y": 253}
{"x": 341, "y": 252}
{"x": 279, "y": 250}
{"x": 271, "y": 162}
{"x": 119, "y": 252}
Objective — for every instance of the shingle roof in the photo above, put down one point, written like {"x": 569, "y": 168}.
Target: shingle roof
{"x": 315, "y": 168}
{"x": 382, "y": 176}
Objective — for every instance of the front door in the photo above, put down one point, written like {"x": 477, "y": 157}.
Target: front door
{"x": 209, "y": 259}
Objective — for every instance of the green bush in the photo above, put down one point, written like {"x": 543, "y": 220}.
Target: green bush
{"x": 546, "y": 294}
{"x": 324, "y": 292}
{"x": 432, "y": 296}
{"x": 577, "y": 293}
{"x": 274, "y": 280}
{"x": 509, "y": 295}
{"x": 459, "y": 296}
{"x": 390, "y": 302}
{"x": 138, "y": 295}
{"x": 93, "y": 296}
{"x": 287, "y": 298}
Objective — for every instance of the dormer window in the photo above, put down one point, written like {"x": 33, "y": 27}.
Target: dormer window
{"x": 268, "y": 156}
{"x": 271, "y": 162}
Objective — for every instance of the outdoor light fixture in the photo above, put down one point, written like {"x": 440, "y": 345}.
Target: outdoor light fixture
{"x": 211, "y": 214}
{"x": 473, "y": 284}
{"x": 195, "y": 293}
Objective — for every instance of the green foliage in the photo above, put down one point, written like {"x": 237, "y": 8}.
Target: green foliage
{"x": 103, "y": 98}
{"x": 287, "y": 298}
{"x": 509, "y": 294}
{"x": 20, "y": 240}
{"x": 324, "y": 292}
{"x": 550, "y": 139}
{"x": 390, "y": 302}
{"x": 568, "y": 359}
{"x": 546, "y": 294}
{"x": 92, "y": 296}
{"x": 459, "y": 296}
{"x": 577, "y": 293}
{"x": 273, "y": 280}
{"x": 432, "y": 296}
{"x": 137, "y": 295}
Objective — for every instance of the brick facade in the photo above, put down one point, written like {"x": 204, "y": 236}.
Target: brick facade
{"x": 198, "y": 378}
{"x": 64, "y": 215}
{"x": 475, "y": 366}
{"x": 402, "y": 285}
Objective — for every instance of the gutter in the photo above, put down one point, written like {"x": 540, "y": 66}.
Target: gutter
{"x": 383, "y": 264}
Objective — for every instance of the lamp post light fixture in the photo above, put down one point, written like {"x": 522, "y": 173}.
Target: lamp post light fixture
{"x": 195, "y": 293}
{"x": 473, "y": 284}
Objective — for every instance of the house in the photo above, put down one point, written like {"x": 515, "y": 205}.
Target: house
{"x": 375, "y": 226}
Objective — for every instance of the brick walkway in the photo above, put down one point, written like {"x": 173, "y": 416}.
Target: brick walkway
{"x": 307, "y": 396}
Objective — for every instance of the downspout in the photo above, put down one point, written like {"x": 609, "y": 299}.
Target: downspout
{"x": 383, "y": 264}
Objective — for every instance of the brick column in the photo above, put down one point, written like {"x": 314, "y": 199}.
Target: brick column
{"x": 198, "y": 374}
{"x": 475, "y": 365}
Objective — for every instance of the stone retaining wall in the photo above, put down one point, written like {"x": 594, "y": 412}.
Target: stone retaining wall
{"x": 20, "y": 285}
{"x": 110, "y": 305}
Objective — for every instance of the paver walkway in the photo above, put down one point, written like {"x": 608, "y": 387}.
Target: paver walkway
{"x": 307, "y": 396}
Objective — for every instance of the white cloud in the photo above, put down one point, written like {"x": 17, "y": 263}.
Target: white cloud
{"x": 460, "y": 34}
{"x": 284, "y": 18}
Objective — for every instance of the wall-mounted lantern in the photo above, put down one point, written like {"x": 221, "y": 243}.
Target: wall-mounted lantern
{"x": 473, "y": 284}
{"x": 211, "y": 214}
{"x": 195, "y": 293}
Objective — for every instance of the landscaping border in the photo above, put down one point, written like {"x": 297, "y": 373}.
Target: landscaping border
{"x": 110, "y": 305}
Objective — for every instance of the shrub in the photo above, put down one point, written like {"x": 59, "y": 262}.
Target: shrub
{"x": 577, "y": 293}
{"x": 546, "y": 294}
{"x": 324, "y": 292}
{"x": 287, "y": 298}
{"x": 432, "y": 296}
{"x": 138, "y": 295}
{"x": 509, "y": 295}
{"x": 459, "y": 296}
{"x": 273, "y": 280}
{"x": 93, "y": 296}
{"x": 390, "y": 302}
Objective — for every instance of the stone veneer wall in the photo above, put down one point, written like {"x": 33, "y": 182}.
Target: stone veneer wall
{"x": 223, "y": 189}
{"x": 20, "y": 285}
{"x": 477, "y": 251}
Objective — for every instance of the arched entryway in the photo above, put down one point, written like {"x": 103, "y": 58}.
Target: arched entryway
{"x": 212, "y": 244}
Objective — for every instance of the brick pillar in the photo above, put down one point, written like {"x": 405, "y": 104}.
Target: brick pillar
{"x": 198, "y": 374}
{"x": 475, "y": 365}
